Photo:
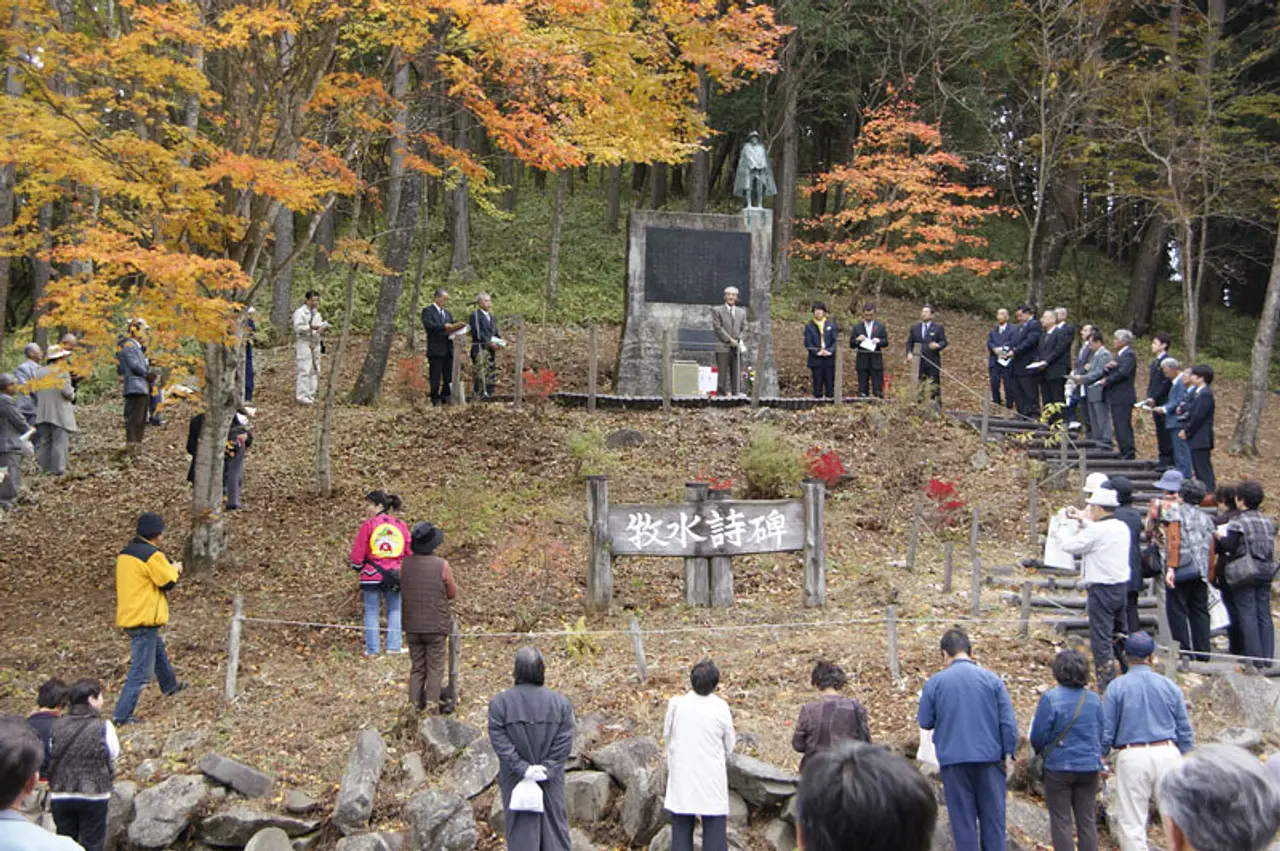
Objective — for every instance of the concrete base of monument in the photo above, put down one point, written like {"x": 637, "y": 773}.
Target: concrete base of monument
{"x": 678, "y": 265}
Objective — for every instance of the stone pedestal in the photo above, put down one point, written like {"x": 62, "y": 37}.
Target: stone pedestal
{"x": 678, "y": 265}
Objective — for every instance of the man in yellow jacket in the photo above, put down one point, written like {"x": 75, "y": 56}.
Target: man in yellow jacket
{"x": 143, "y": 576}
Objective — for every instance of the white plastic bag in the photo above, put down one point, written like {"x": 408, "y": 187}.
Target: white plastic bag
{"x": 926, "y": 753}
{"x": 526, "y": 797}
{"x": 1054, "y": 554}
{"x": 1219, "y": 617}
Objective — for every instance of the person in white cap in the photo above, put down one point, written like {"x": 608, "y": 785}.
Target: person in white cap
{"x": 55, "y": 413}
{"x": 1102, "y": 542}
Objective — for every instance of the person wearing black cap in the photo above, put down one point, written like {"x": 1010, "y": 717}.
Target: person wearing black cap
{"x": 143, "y": 576}
{"x": 820, "y": 341}
{"x": 426, "y": 587}
{"x": 1145, "y": 720}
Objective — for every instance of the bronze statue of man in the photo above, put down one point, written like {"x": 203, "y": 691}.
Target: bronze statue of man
{"x": 754, "y": 180}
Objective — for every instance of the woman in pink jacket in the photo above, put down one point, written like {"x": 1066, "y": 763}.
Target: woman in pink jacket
{"x": 379, "y": 548}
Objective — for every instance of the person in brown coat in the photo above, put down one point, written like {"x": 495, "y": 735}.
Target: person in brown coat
{"x": 426, "y": 587}
{"x": 832, "y": 719}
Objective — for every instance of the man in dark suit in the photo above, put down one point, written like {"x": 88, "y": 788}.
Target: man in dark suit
{"x": 484, "y": 351}
{"x": 1077, "y": 407}
{"x": 438, "y": 323}
{"x": 1026, "y": 347}
{"x": 999, "y": 358}
{"x": 931, "y": 339}
{"x": 1065, "y": 325}
{"x": 1119, "y": 393}
{"x": 870, "y": 362}
{"x": 1198, "y": 432}
{"x": 1158, "y": 385}
{"x": 1053, "y": 357}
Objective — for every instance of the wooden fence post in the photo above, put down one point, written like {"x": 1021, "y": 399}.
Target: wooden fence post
{"x": 233, "y": 647}
{"x": 815, "y": 548}
{"x": 721, "y": 566}
{"x": 637, "y": 644}
{"x": 976, "y": 589}
{"x": 458, "y": 393}
{"x": 599, "y": 556}
{"x": 759, "y": 379}
{"x": 666, "y": 372}
{"x": 946, "y": 567}
{"x": 697, "y": 570}
{"x": 593, "y": 369}
{"x": 891, "y": 626}
{"x": 974, "y": 526}
{"x": 1033, "y": 498}
{"x": 839, "y": 385}
{"x": 913, "y": 540}
{"x": 455, "y": 658}
{"x": 915, "y": 378}
{"x": 1063, "y": 438}
{"x": 986, "y": 417}
{"x": 518, "y": 396}
{"x": 1083, "y": 463}
{"x": 1024, "y": 613}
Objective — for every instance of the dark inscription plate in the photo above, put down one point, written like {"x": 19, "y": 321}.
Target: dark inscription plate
{"x": 690, "y": 266}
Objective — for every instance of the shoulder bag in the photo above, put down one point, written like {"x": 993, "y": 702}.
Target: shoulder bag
{"x": 1035, "y": 767}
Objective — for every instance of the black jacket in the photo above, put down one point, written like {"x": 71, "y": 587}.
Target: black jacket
{"x": 1119, "y": 389}
{"x": 434, "y": 318}
{"x": 1055, "y": 351}
{"x": 869, "y": 360}
{"x": 484, "y": 327}
{"x": 1132, "y": 517}
{"x": 1199, "y": 427}
{"x": 919, "y": 340}
{"x": 1026, "y": 347}
{"x": 815, "y": 342}
{"x": 1158, "y": 383}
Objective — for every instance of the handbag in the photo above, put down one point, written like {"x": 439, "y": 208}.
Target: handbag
{"x": 1152, "y": 562}
{"x": 1035, "y": 767}
{"x": 1244, "y": 569}
{"x": 1182, "y": 575}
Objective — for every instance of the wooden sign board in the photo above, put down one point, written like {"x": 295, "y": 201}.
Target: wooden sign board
{"x": 714, "y": 528}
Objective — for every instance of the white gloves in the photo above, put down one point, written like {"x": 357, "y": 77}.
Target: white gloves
{"x": 526, "y": 797}
{"x": 536, "y": 773}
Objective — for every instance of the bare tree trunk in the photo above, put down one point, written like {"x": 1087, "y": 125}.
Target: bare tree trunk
{"x": 209, "y": 545}
{"x": 509, "y": 188}
{"x": 784, "y": 205}
{"x": 399, "y": 246}
{"x": 1244, "y": 440}
{"x": 41, "y": 271}
{"x": 282, "y": 290}
{"x": 424, "y": 237}
{"x": 395, "y": 150}
{"x": 700, "y": 168}
{"x": 557, "y": 225}
{"x": 460, "y": 204}
{"x": 615, "y": 198}
{"x": 8, "y": 178}
{"x": 324, "y": 243}
{"x": 1152, "y": 251}
{"x": 324, "y": 436}
{"x": 1190, "y": 289}
{"x": 658, "y": 186}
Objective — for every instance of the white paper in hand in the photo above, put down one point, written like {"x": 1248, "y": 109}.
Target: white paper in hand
{"x": 526, "y": 797}
{"x": 868, "y": 344}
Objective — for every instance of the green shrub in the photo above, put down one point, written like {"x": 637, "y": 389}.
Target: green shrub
{"x": 773, "y": 466}
{"x": 588, "y": 449}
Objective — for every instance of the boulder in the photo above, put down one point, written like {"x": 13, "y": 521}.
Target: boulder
{"x": 269, "y": 839}
{"x": 440, "y": 820}
{"x": 586, "y": 796}
{"x": 497, "y": 815}
{"x": 245, "y": 779}
{"x": 760, "y": 783}
{"x": 371, "y": 842}
{"x": 1242, "y": 737}
{"x": 788, "y": 812}
{"x": 624, "y": 438}
{"x": 580, "y": 841}
{"x": 182, "y": 742}
{"x": 942, "y": 838}
{"x": 474, "y": 771}
{"x": 1025, "y": 820}
{"x": 120, "y": 813}
{"x": 662, "y": 840}
{"x": 624, "y": 758}
{"x": 780, "y": 835}
{"x": 235, "y": 827}
{"x": 163, "y": 812}
{"x": 360, "y": 782}
{"x": 1251, "y": 701}
{"x": 641, "y": 815}
{"x": 414, "y": 772}
{"x": 979, "y": 460}
{"x": 748, "y": 741}
{"x": 738, "y": 812}
{"x": 299, "y": 803}
{"x": 586, "y": 732}
{"x": 308, "y": 842}
{"x": 443, "y": 737}
{"x": 146, "y": 771}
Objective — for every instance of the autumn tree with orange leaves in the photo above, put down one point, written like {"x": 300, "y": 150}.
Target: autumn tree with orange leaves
{"x": 155, "y": 144}
{"x": 904, "y": 213}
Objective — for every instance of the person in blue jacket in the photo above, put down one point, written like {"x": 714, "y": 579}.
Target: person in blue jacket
{"x": 1174, "y": 419}
{"x": 820, "y": 341}
{"x": 975, "y": 734}
{"x": 1071, "y": 765}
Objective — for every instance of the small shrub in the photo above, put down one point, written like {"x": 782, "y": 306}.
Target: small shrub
{"x": 578, "y": 643}
{"x": 825, "y": 465}
{"x": 948, "y": 509}
{"x": 588, "y": 449}
{"x": 772, "y": 465}
{"x": 540, "y": 385}
{"x": 715, "y": 483}
{"x": 411, "y": 381}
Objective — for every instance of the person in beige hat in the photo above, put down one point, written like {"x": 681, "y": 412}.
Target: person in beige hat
{"x": 55, "y": 413}
{"x": 1102, "y": 542}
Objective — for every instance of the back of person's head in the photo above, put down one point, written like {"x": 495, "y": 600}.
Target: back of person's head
{"x": 1071, "y": 669}
{"x": 1203, "y": 370}
{"x": 386, "y": 501}
{"x": 1192, "y": 491}
{"x": 1249, "y": 494}
{"x": 1225, "y": 496}
{"x": 828, "y": 675}
{"x": 1123, "y": 486}
{"x": 956, "y": 641}
{"x": 82, "y": 691}
{"x": 860, "y": 797}
{"x": 530, "y": 669}
{"x": 52, "y": 694}
{"x": 1220, "y": 798}
{"x": 21, "y": 753}
{"x": 704, "y": 677}
{"x": 1095, "y": 336}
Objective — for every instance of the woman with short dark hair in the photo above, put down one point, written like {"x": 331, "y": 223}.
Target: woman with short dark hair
{"x": 1067, "y": 731}
{"x": 1253, "y": 533}
{"x": 1187, "y": 571}
{"x": 699, "y": 734}
{"x": 832, "y": 719}
{"x": 82, "y": 767}
{"x": 380, "y": 547}
{"x": 820, "y": 341}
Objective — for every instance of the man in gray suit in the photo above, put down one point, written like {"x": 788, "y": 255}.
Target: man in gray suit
{"x": 55, "y": 414}
{"x": 1087, "y": 377}
{"x": 729, "y": 321}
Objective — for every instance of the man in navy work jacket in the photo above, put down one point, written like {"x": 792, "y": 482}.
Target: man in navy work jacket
{"x": 1000, "y": 341}
{"x": 975, "y": 733}
{"x": 1144, "y": 719}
